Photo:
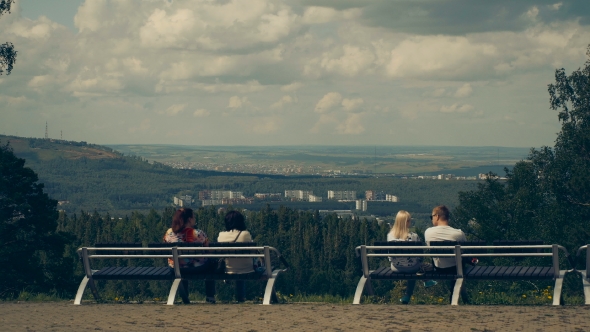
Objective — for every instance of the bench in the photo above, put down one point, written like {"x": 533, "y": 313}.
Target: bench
{"x": 176, "y": 251}
{"x": 462, "y": 252}
{"x": 585, "y": 273}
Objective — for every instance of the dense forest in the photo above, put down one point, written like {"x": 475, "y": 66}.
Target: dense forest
{"x": 319, "y": 250}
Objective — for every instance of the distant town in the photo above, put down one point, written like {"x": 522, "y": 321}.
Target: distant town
{"x": 308, "y": 170}
{"x": 225, "y": 197}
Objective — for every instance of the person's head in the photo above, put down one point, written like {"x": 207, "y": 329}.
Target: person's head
{"x": 182, "y": 218}
{"x": 234, "y": 220}
{"x": 401, "y": 227}
{"x": 440, "y": 214}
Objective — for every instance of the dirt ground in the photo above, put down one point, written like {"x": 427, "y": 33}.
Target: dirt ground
{"x": 64, "y": 316}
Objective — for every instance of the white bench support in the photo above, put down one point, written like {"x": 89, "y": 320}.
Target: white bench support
{"x": 87, "y": 280}
{"x": 586, "y": 286}
{"x": 173, "y": 291}
{"x": 457, "y": 291}
{"x": 269, "y": 292}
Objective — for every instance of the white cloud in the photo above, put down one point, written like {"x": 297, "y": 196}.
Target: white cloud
{"x": 456, "y": 108}
{"x": 145, "y": 125}
{"x": 352, "y": 104}
{"x": 236, "y": 102}
{"x": 351, "y": 125}
{"x": 285, "y": 100}
{"x": 174, "y": 110}
{"x": 319, "y": 15}
{"x": 292, "y": 87}
{"x": 328, "y": 101}
{"x": 464, "y": 91}
{"x": 201, "y": 113}
{"x": 265, "y": 125}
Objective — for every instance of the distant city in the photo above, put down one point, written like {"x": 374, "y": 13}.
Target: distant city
{"x": 225, "y": 197}
{"x": 308, "y": 170}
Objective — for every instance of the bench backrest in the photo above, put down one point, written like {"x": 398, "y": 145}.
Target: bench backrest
{"x": 460, "y": 251}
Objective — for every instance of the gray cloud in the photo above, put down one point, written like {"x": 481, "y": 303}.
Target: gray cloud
{"x": 459, "y": 17}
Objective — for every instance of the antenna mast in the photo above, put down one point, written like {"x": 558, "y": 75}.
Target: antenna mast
{"x": 46, "y": 135}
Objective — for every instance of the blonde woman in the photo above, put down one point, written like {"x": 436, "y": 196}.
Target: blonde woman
{"x": 401, "y": 232}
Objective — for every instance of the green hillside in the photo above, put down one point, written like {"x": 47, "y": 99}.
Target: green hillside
{"x": 90, "y": 177}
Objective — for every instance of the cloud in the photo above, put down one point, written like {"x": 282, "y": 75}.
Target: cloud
{"x": 327, "y": 102}
{"x": 352, "y": 104}
{"x": 351, "y": 125}
{"x": 460, "y": 17}
{"x": 201, "y": 113}
{"x": 265, "y": 125}
{"x": 174, "y": 110}
{"x": 292, "y": 87}
{"x": 285, "y": 100}
{"x": 456, "y": 108}
{"x": 236, "y": 102}
{"x": 143, "y": 126}
{"x": 464, "y": 91}
{"x": 320, "y": 15}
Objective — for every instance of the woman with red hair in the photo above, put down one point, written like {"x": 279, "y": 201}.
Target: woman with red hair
{"x": 182, "y": 230}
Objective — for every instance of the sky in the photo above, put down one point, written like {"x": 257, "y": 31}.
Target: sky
{"x": 290, "y": 72}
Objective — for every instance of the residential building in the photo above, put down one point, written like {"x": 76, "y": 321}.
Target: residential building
{"x": 342, "y": 195}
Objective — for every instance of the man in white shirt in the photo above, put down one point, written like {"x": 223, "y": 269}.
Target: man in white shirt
{"x": 443, "y": 232}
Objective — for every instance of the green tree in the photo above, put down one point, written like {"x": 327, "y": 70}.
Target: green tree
{"x": 548, "y": 195}
{"x": 31, "y": 251}
{"x": 7, "y": 52}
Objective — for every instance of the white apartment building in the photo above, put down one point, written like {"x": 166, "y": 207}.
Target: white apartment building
{"x": 313, "y": 198}
{"x": 391, "y": 198}
{"x": 221, "y": 194}
{"x": 361, "y": 205}
{"x": 342, "y": 195}
{"x": 298, "y": 194}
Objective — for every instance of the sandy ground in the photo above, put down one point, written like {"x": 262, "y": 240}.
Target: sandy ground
{"x": 64, "y": 316}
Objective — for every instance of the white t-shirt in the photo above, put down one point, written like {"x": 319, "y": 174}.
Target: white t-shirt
{"x": 236, "y": 265}
{"x": 444, "y": 233}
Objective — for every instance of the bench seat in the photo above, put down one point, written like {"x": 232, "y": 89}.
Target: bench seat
{"x": 387, "y": 273}
{"x": 510, "y": 272}
{"x": 134, "y": 273}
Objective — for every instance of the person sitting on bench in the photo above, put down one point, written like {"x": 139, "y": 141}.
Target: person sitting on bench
{"x": 182, "y": 230}
{"x": 400, "y": 232}
{"x": 443, "y": 232}
{"x": 235, "y": 231}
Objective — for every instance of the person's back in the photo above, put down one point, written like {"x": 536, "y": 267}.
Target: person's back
{"x": 236, "y": 265}
{"x": 235, "y": 227}
{"x": 443, "y": 232}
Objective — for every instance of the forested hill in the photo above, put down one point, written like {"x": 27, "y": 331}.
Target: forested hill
{"x": 91, "y": 177}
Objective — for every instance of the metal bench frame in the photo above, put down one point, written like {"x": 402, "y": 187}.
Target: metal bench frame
{"x": 585, "y": 273}
{"x": 365, "y": 252}
{"x": 176, "y": 253}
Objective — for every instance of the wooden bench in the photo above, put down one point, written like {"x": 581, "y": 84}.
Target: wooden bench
{"x": 585, "y": 272}
{"x": 462, "y": 252}
{"x": 176, "y": 251}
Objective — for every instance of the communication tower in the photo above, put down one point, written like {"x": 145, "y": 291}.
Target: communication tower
{"x": 46, "y": 135}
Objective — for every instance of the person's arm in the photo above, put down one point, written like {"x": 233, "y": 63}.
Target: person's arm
{"x": 246, "y": 237}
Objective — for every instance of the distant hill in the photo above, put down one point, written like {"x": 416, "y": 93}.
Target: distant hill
{"x": 91, "y": 177}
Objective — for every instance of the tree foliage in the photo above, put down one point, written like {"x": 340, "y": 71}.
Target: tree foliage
{"x": 546, "y": 196}
{"x": 31, "y": 251}
{"x": 7, "y": 52}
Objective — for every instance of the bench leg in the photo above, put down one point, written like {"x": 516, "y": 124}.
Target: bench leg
{"x": 364, "y": 282}
{"x": 586, "y": 286}
{"x": 269, "y": 292}
{"x": 557, "y": 288}
{"x": 457, "y": 291}
{"x": 173, "y": 291}
{"x": 86, "y": 282}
